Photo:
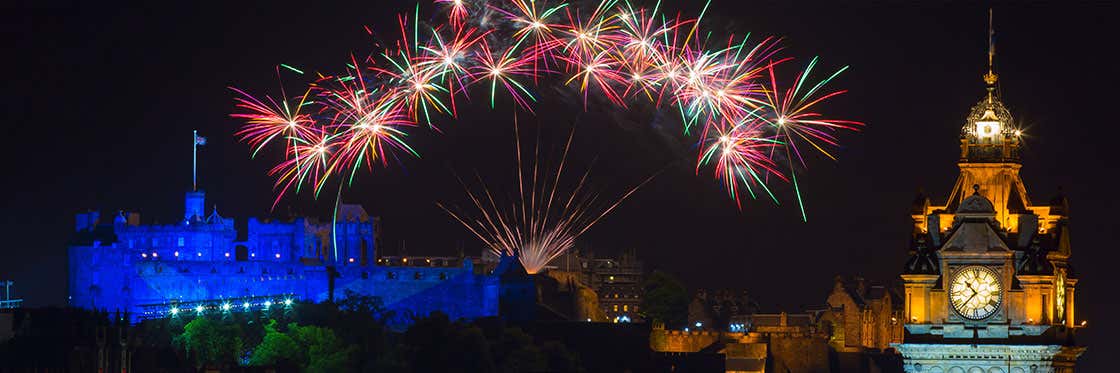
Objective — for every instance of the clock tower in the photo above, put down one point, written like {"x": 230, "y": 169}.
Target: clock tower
{"x": 988, "y": 285}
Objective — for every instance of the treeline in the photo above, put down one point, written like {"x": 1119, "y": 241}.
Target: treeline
{"x": 348, "y": 336}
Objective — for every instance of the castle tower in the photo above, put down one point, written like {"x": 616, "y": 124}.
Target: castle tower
{"x": 989, "y": 287}
{"x": 194, "y": 206}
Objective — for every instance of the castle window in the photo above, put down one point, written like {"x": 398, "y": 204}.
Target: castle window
{"x": 390, "y": 275}
{"x": 442, "y": 276}
{"x": 615, "y": 308}
{"x": 130, "y": 243}
{"x": 155, "y": 242}
{"x": 626, "y": 307}
{"x": 418, "y": 275}
{"x": 365, "y": 274}
{"x": 182, "y": 241}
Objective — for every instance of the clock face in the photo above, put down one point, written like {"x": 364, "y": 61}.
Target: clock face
{"x": 987, "y": 128}
{"x": 976, "y": 292}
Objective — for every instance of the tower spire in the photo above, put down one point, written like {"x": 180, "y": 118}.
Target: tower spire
{"x": 990, "y": 78}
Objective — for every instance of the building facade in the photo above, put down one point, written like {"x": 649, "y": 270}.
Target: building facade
{"x": 616, "y": 281}
{"x": 200, "y": 265}
{"x": 989, "y": 286}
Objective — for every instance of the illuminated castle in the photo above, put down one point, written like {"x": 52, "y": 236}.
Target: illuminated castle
{"x": 989, "y": 286}
{"x": 201, "y": 265}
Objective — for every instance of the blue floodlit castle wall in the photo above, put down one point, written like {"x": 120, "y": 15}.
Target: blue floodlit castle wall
{"x": 149, "y": 270}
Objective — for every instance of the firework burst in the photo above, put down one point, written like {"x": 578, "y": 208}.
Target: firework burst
{"x": 544, "y": 220}
{"x": 610, "y": 49}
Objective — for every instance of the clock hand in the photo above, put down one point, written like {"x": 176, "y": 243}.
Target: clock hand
{"x": 970, "y": 298}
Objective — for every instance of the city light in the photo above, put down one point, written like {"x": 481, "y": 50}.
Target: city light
{"x": 245, "y": 305}
{"x": 225, "y": 306}
{"x": 288, "y": 302}
{"x": 277, "y": 255}
{"x": 174, "y": 311}
{"x": 176, "y": 254}
{"x": 267, "y": 303}
{"x": 199, "y": 309}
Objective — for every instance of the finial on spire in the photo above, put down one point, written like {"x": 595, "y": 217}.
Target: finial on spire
{"x": 991, "y": 77}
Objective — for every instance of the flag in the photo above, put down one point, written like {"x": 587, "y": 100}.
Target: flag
{"x": 199, "y": 140}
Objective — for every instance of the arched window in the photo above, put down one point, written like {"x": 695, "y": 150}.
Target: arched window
{"x": 241, "y": 253}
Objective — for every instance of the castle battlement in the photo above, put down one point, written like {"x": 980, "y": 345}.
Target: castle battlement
{"x": 148, "y": 270}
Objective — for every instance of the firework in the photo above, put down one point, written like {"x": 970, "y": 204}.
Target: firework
{"x": 544, "y": 220}
{"x": 751, "y": 130}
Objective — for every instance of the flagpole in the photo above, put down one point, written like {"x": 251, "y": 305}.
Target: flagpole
{"x": 194, "y": 162}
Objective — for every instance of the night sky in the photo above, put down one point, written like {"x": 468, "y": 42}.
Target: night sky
{"x": 101, "y": 102}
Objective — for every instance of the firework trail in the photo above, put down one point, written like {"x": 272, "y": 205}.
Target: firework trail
{"x": 545, "y": 219}
{"x": 750, "y": 129}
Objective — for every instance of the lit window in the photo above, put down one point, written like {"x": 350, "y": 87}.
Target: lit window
{"x": 626, "y": 308}
{"x": 182, "y": 242}
{"x": 615, "y": 308}
{"x": 611, "y": 278}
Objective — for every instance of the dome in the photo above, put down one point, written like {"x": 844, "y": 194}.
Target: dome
{"x": 976, "y": 204}
{"x": 989, "y": 109}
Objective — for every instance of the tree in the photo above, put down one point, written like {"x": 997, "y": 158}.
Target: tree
{"x": 665, "y": 299}
{"x": 324, "y": 350}
{"x": 366, "y": 305}
{"x": 515, "y": 352}
{"x": 560, "y": 359}
{"x": 435, "y": 344}
{"x": 277, "y": 349}
{"x": 207, "y": 342}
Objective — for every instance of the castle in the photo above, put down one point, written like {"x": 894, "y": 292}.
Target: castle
{"x": 204, "y": 264}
